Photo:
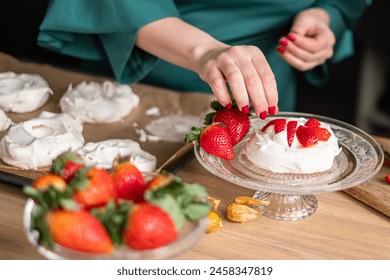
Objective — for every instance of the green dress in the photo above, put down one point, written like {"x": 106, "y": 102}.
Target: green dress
{"x": 103, "y": 32}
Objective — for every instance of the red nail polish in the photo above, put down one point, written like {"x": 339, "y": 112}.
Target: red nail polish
{"x": 272, "y": 110}
{"x": 245, "y": 109}
{"x": 281, "y": 49}
{"x": 263, "y": 115}
{"x": 283, "y": 42}
{"x": 229, "y": 106}
{"x": 291, "y": 37}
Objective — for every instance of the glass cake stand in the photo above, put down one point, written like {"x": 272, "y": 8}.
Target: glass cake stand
{"x": 291, "y": 195}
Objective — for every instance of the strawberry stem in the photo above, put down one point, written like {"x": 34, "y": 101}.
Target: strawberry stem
{"x": 193, "y": 135}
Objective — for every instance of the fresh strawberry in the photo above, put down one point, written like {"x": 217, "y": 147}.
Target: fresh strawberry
{"x": 279, "y": 125}
{"x": 92, "y": 186}
{"x": 322, "y": 133}
{"x": 387, "y": 178}
{"x": 306, "y": 136}
{"x": 78, "y": 230}
{"x": 43, "y": 182}
{"x": 312, "y": 123}
{"x": 236, "y": 122}
{"x": 66, "y": 165}
{"x": 291, "y": 129}
{"x": 214, "y": 139}
{"x": 159, "y": 181}
{"x": 128, "y": 182}
{"x": 149, "y": 227}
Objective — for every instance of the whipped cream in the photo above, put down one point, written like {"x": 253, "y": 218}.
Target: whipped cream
{"x": 270, "y": 151}
{"x": 92, "y": 102}
{"x": 37, "y": 142}
{"x": 103, "y": 154}
{"x": 5, "y": 122}
{"x": 22, "y": 93}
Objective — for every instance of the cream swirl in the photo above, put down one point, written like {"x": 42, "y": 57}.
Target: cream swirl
{"x": 37, "y": 142}
{"x": 103, "y": 154}
{"x": 22, "y": 93}
{"x": 5, "y": 122}
{"x": 92, "y": 102}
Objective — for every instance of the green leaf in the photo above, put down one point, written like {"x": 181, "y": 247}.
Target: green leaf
{"x": 196, "y": 211}
{"x": 80, "y": 179}
{"x": 38, "y": 223}
{"x": 193, "y": 135}
{"x": 169, "y": 204}
{"x": 114, "y": 218}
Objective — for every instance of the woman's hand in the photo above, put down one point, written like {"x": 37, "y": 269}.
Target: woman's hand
{"x": 310, "y": 41}
{"x": 246, "y": 71}
{"x": 243, "y": 68}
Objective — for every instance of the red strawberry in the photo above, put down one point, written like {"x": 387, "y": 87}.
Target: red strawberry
{"x": 291, "y": 129}
{"x": 128, "y": 182}
{"x": 93, "y": 187}
{"x": 159, "y": 181}
{"x": 78, "y": 230}
{"x": 279, "y": 125}
{"x": 149, "y": 227}
{"x": 322, "y": 133}
{"x": 45, "y": 181}
{"x": 236, "y": 122}
{"x": 306, "y": 136}
{"x": 214, "y": 139}
{"x": 66, "y": 165}
{"x": 387, "y": 178}
{"x": 312, "y": 123}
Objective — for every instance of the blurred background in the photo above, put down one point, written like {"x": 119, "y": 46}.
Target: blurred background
{"x": 358, "y": 91}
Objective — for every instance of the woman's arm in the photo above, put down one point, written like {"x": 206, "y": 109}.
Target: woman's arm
{"x": 243, "y": 68}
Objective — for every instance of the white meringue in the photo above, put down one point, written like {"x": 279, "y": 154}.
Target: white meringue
{"x": 5, "y": 122}
{"x": 270, "y": 151}
{"x": 22, "y": 93}
{"x": 92, "y": 102}
{"x": 103, "y": 154}
{"x": 37, "y": 142}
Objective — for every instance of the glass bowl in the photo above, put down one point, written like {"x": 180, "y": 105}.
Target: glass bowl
{"x": 190, "y": 234}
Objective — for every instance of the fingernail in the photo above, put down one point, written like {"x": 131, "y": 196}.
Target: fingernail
{"x": 281, "y": 49}
{"x": 291, "y": 37}
{"x": 228, "y": 106}
{"x": 263, "y": 115}
{"x": 245, "y": 109}
{"x": 283, "y": 42}
{"x": 272, "y": 110}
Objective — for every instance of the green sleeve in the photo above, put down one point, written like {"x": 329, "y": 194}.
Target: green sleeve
{"x": 102, "y": 30}
{"x": 344, "y": 15}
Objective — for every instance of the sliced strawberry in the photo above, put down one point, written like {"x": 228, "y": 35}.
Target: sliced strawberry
{"x": 306, "y": 136}
{"x": 291, "y": 129}
{"x": 312, "y": 123}
{"x": 279, "y": 125}
{"x": 322, "y": 133}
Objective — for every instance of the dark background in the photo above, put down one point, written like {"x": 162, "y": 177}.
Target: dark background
{"x": 20, "y": 20}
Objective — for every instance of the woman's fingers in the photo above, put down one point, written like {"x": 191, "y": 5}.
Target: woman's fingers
{"x": 247, "y": 73}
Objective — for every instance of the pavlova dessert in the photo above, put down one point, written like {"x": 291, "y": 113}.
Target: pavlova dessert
{"x": 293, "y": 145}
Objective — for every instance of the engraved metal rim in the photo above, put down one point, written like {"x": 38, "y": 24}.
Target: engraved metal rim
{"x": 364, "y": 153}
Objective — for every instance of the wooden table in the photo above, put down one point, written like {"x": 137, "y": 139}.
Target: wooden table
{"x": 341, "y": 228}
